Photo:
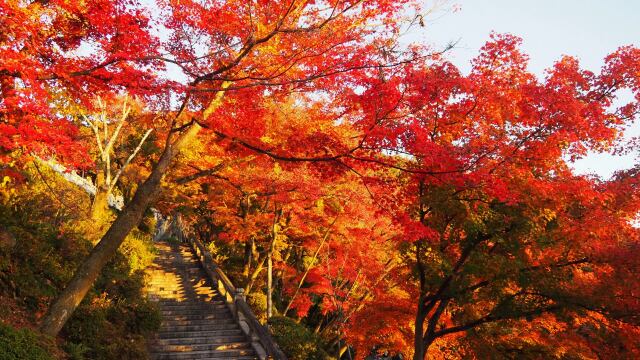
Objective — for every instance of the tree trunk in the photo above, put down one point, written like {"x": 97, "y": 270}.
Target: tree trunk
{"x": 248, "y": 257}
{"x": 342, "y": 350}
{"x": 254, "y": 274}
{"x": 270, "y": 284}
{"x": 280, "y": 275}
{"x": 86, "y": 274}
{"x": 419, "y": 350}
{"x": 99, "y": 209}
{"x": 274, "y": 235}
{"x": 426, "y": 344}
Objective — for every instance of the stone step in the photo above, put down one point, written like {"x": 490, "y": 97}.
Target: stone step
{"x": 214, "y": 339}
{"x": 210, "y": 294}
{"x": 172, "y": 270}
{"x": 177, "y": 315}
{"x": 193, "y": 305}
{"x": 242, "y": 345}
{"x": 191, "y": 287}
{"x": 165, "y": 291}
{"x": 200, "y": 334}
{"x": 177, "y": 298}
{"x": 216, "y": 301}
{"x": 154, "y": 290}
{"x": 180, "y": 279}
{"x": 206, "y": 354}
{"x": 189, "y": 280}
{"x": 189, "y": 312}
{"x": 170, "y": 262}
{"x": 203, "y": 320}
{"x": 200, "y": 291}
{"x": 171, "y": 287}
{"x": 179, "y": 285}
{"x": 244, "y": 357}
{"x": 168, "y": 288}
{"x": 206, "y": 327}
{"x": 172, "y": 267}
{"x": 201, "y": 305}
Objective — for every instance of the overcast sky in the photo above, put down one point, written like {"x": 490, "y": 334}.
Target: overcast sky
{"x": 586, "y": 29}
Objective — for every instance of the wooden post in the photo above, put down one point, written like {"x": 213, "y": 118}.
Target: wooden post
{"x": 239, "y": 296}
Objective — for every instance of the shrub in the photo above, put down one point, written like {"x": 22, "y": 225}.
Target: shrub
{"x": 113, "y": 321}
{"x": 22, "y": 344}
{"x": 51, "y": 240}
{"x": 75, "y": 351}
{"x": 258, "y": 303}
{"x": 138, "y": 249}
{"x": 296, "y": 341}
{"x": 107, "y": 329}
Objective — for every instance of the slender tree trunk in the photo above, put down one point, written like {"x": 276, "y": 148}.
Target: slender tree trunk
{"x": 270, "y": 283}
{"x": 86, "y": 274}
{"x": 100, "y": 206}
{"x": 248, "y": 257}
{"x": 426, "y": 344}
{"x": 254, "y": 275}
{"x": 274, "y": 235}
{"x": 419, "y": 350}
{"x": 319, "y": 326}
{"x": 281, "y": 274}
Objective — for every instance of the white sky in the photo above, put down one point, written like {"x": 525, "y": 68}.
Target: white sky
{"x": 587, "y": 29}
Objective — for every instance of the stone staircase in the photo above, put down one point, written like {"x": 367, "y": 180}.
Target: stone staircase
{"x": 196, "y": 321}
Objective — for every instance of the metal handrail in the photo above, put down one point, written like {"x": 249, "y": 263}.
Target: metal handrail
{"x": 235, "y": 299}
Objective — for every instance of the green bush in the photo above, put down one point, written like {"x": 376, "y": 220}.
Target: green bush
{"x": 107, "y": 329}
{"x": 296, "y": 341}
{"x": 138, "y": 250}
{"x": 258, "y": 303}
{"x": 115, "y": 316}
{"x": 38, "y": 247}
{"x": 21, "y": 344}
{"x": 76, "y": 351}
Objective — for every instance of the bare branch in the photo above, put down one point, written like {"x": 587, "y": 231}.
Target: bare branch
{"x": 125, "y": 113}
{"x": 133, "y": 154}
{"x": 212, "y": 171}
{"x": 94, "y": 127}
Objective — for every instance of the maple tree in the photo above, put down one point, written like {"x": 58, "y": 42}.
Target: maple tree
{"x": 56, "y": 54}
{"x": 496, "y": 226}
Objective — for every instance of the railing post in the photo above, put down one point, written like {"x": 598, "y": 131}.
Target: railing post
{"x": 239, "y": 296}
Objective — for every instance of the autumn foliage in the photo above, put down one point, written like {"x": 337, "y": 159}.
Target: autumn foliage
{"x": 405, "y": 205}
